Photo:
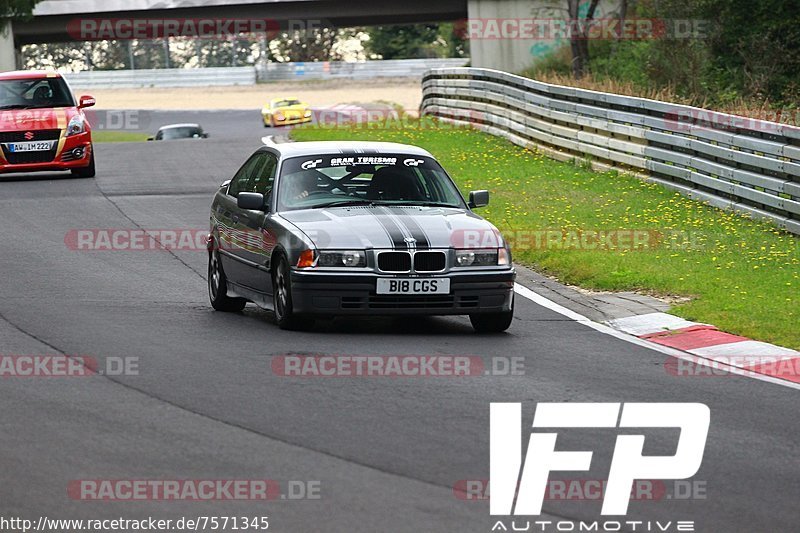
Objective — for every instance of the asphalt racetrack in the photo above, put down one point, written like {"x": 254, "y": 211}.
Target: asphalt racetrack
{"x": 384, "y": 453}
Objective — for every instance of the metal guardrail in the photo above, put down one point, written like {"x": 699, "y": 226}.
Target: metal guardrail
{"x": 730, "y": 162}
{"x": 392, "y": 68}
{"x": 206, "y": 77}
{"x": 174, "y": 77}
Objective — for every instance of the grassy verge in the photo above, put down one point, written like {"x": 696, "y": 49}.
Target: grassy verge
{"x": 741, "y": 275}
{"x": 118, "y": 136}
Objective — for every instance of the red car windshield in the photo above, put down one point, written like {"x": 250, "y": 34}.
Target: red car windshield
{"x": 35, "y": 94}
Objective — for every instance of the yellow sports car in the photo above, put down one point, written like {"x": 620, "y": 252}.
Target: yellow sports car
{"x": 284, "y": 112}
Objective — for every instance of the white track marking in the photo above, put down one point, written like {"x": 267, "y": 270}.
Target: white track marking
{"x": 750, "y": 348}
{"x": 672, "y": 352}
{"x": 651, "y": 323}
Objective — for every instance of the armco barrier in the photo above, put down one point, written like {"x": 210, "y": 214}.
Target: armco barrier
{"x": 173, "y": 77}
{"x": 391, "y": 68}
{"x": 226, "y": 76}
{"x": 731, "y": 162}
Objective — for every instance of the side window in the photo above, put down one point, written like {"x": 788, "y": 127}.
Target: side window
{"x": 264, "y": 179}
{"x": 241, "y": 180}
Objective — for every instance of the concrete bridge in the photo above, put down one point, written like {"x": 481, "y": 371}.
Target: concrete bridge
{"x": 53, "y": 17}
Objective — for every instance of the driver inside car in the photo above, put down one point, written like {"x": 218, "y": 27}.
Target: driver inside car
{"x": 301, "y": 186}
{"x": 42, "y": 96}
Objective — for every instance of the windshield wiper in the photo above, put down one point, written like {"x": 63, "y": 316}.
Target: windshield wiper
{"x": 423, "y": 204}
{"x": 344, "y": 203}
{"x": 14, "y": 106}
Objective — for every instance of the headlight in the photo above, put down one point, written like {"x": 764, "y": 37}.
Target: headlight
{"x": 349, "y": 258}
{"x": 478, "y": 258}
{"x": 307, "y": 113}
{"x": 76, "y": 126}
{"x": 279, "y": 116}
{"x": 308, "y": 259}
{"x": 503, "y": 258}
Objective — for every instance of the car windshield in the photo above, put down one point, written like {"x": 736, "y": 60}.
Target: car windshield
{"x": 286, "y": 103}
{"x": 35, "y": 93}
{"x": 342, "y": 180}
{"x": 180, "y": 133}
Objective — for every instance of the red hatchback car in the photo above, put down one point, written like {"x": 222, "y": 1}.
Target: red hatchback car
{"x": 42, "y": 126}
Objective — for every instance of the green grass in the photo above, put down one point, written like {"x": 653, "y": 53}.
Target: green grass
{"x": 739, "y": 274}
{"x": 118, "y": 136}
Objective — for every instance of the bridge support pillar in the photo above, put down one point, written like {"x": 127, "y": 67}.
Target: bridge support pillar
{"x": 488, "y": 49}
{"x": 8, "y": 52}
{"x": 500, "y": 40}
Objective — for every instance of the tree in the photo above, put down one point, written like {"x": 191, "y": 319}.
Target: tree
{"x": 17, "y": 9}
{"x": 318, "y": 44}
{"x": 402, "y": 42}
{"x": 755, "y": 47}
{"x": 579, "y": 36}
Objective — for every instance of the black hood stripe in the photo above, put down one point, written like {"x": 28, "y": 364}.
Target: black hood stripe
{"x": 414, "y": 229}
{"x": 394, "y": 231}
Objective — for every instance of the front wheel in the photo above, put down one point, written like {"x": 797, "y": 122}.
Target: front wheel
{"x": 218, "y": 287}
{"x": 285, "y": 316}
{"x": 493, "y": 322}
{"x": 86, "y": 172}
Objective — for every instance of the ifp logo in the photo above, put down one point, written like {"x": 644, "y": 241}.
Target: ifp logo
{"x": 627, "y": 463}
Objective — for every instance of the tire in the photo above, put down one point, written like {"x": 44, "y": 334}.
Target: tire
{"x": 86, "y": 172}
{"x": 282, "y": 299}
{"x": 218, "y": 287}
{"x": 493, "y": 322}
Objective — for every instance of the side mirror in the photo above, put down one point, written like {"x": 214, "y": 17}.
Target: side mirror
{"x": 87, "y": 101}
{"x": 478, "y": 199}
{"x": 251, "y": 201}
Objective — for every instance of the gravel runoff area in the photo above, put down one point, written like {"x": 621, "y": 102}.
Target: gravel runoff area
{"x": 406, "y": 92}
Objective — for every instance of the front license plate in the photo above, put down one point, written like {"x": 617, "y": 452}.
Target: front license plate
{"x": 413, "y": 286}
{"x": 35, "y": 146}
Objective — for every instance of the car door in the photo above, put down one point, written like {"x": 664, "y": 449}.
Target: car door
{"x": 233, "y": 224}
{"x": 261, "y": 241}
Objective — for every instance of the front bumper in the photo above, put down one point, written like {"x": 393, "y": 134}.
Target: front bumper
{"x": 289, "y": 121}
{"x": 331, "y": 293}
{"x": 63, "y": 159}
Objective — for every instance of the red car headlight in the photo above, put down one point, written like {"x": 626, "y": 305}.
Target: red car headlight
{"x": 76, "y": 126}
